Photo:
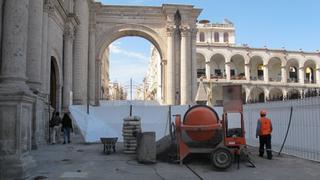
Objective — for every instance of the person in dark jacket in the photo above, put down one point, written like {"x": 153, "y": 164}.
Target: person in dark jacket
{"x": 55, "y": 127}
{"x": 66, "y": 127}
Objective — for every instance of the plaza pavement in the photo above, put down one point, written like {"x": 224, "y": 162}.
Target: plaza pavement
{"x": 86, "y": 161}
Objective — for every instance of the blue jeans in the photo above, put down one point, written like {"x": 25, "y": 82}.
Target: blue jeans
{"x": 66, "y": 134}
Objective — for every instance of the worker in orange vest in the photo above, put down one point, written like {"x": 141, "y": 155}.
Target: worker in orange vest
{"x": 264, "y": 129}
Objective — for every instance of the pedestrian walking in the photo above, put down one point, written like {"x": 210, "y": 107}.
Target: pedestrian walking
{"x": 67, "y": 127}
{"x": 55, "y": 126}
{"x": 264, "y": 130}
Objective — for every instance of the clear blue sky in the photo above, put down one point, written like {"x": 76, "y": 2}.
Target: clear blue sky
{"x": 292, "y": 24}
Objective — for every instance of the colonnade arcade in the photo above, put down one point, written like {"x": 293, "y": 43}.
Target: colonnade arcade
{"x": 265, "y": 76}
{"x": 258, "y": 68}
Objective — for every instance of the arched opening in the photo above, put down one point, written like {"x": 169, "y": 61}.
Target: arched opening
{"x": 257, "y": 95}
{"x": 133, "y": 62}
{"x": 226, "y": 37}
{"x": 275, "y": 94}
{"x": 294, "y": 94}
{"x": 311, "y": 93}
{"x": 237, "y": 72}
{"x": 54, "y": 81}
{"x": 292, "y": 69}
{"x": 201, "y": 66}
{"x": 134, "y": 70}
{"x": 309, "y": 71}
{"x": 274, "y": 69}
{"x": 217, "y": 65}
{"x": 202, "y": 37}
{"x": 256, "y": 68}
{"x": 216, "y": 37}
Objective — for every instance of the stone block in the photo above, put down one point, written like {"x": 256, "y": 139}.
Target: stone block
{"x": 146, "y": 150}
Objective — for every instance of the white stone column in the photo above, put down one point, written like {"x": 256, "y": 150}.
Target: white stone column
{"x": 34, "y": 44}
{"x": 208, "y": 70}
{"x": 16, "y": 101}
{"x": 301, "y": 75}
{"x": 67, "y": 65}
{"x": 266, "y": 73}
{"x": 185, "y": 66}
{"x": 247, "y": 71}
{"x": 284, "y": 93}
{"x": 194, "y": 64}
{"x": 80, "y": 59}
{"x": 170, "y": 99}
{"x": 227, "y": 68}
{"x": 284, "y": 74}
{"x": 266, "y": 95}
{"x": 318, "y": 74}
{"x": 14, "y": 45}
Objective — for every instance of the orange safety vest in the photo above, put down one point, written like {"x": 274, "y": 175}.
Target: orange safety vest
{"x": 265, "y": 126}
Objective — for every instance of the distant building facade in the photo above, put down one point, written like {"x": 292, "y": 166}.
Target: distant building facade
{"x": 265, "y": 74}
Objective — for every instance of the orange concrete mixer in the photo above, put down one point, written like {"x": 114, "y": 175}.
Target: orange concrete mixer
{"x": 201, "y": 131}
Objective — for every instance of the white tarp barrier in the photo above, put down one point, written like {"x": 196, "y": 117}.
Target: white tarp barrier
{"x": 106, "y": 120}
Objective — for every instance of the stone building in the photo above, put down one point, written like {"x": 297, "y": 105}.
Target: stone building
{"x": 265, "y": 74}
{"x": 117, "y": 92}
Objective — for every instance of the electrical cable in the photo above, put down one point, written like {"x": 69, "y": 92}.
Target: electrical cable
{"x": 285, "y": 138}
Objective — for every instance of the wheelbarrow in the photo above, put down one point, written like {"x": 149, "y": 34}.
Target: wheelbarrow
{"x": 108, "y": 144}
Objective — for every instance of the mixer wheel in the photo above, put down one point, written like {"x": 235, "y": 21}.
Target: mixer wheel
{"x": 221, "y": 158}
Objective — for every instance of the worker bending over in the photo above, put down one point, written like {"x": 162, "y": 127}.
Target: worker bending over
{"x": 264, "y": 129}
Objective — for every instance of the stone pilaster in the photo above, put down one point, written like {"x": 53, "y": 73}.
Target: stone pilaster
{"x": 97, "y": 84}
{"x": 301, "y": 74}
{"x": 228, "y": 68}
{"x": 67, "y": 65}
{"x": 247, "y": 71}
{"x": 266, "y": 73}
{"x": 170, "y": 83}
{"x": 16, "y": 101}
{"x": 92, "y": 60}
{"x": 185, "y": 66}
{"x": 34, "y": 44}
{"x": 284, "y": 74}
{"x": 318, "y": 74}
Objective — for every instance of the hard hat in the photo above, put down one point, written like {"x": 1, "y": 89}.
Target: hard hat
{"x": 263, "y": 112}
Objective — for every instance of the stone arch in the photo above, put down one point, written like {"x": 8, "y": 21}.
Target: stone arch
{"x": 238, "y": 61}
{"x": 256, "y": 67}
{"x": 310, "y": 71}
{"x": 217, "y": 65}
{"x": 55, "y": 83}
{"x": 293, "y": 70}
{"x": 130, "y": 30}
{"x": 294, "y": 94}
{"x": 274, "y": 69}
{"x": 257, "y": 94}
{"x": 275, "y": 94}
{"x": 201, "y": 65}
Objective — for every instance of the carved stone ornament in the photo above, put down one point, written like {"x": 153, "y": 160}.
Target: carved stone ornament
{"x": 185, "y": 30}
{"x": 170, "y": 29}
{"x": 48, "y": 6}
{"x": 68, "y": 32}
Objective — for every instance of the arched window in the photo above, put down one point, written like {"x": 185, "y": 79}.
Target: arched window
{"x": 202, "y": 37}
{"x": 216, "y": 37}
{"x": 225, "y": 37}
